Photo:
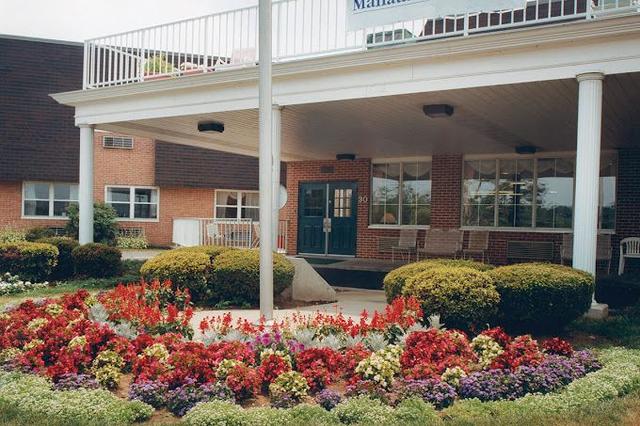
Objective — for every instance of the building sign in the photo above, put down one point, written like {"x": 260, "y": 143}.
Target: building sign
{"x": 368, "y": 13}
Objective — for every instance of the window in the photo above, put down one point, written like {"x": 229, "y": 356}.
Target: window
{"x": 43, "y": 199}
{"x": 138, "y": 203}
{"x": 401, "y": 193}
{"x": 117, "y": 142}
{"x": 531, "y": 193}
{"x": 237, "y": 205}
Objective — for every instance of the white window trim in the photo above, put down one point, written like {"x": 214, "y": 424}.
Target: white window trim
{"x": 132, "y": 203}
{"x": 238, "y": 205}
{"x": 535, "y": 157}
{"x": 401, "y": 161}
{"x": 51, "y": 200}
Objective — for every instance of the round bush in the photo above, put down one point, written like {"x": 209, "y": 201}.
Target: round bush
{"x": 187, "y": 267}
{"x": 65, "y": 268}
{"x": 97, "y": 260}
{"x": 395, "y": 280}
{"x": 541, "y": 297}
{"x": 237, "y": 276}
{"x": 463, "y": 297}
{"x": 30, "y": 261}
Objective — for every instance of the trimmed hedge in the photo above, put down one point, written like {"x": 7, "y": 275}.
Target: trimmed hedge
{"x": 187, "y": 267}
{"x": 65, "y": 267}
{"x": 540, "y": 297}
{"x": 463, "y": 297}
{"x": 30, "y": 261}
{"x": 237, "y": 276}
{"x": 395, "y": 280}
{"x": 33, "y": 397}
{"x": 618, "y": 291}
{"x": 97, "y": 260}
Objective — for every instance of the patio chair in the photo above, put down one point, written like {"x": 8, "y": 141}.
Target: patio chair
{"x": 441, "y": 243}
{"x": 477, "y": 245}
{"x": 407, "y": 244}
{"x": 604, "y": 252}
{"x": 629, "y": 249}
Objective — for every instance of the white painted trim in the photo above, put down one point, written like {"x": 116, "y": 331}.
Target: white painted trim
{"x": 422, "y": 158}
{"x": 530, "y": 230}
{"x": 132, "y": 203}
{"x": 238, "y": 202}
{"x": 392, "y": 227}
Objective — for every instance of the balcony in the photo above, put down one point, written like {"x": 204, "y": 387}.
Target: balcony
{"x": 302, "y": 29}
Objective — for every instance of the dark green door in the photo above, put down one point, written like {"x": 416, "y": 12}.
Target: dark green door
{"x": 327, "y": 218}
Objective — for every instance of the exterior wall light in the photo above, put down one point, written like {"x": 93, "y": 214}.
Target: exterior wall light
{"x": 345, "y": 157}
{"x": 526, "y": 149}
{"x": 438, "y": 111}
{"x": 211, "y": 126}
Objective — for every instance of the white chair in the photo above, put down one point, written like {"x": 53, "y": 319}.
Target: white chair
{"x": 629, "y": 249}
{"x": 407, "y": 244}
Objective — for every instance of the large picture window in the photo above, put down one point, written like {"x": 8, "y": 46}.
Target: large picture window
{"x": 401, "y": 193}
{"x": 44, "y": 199}
{"x": 134, "y": 203}
{"x": 238, "y": 205}
{"x": 531, "y": 193}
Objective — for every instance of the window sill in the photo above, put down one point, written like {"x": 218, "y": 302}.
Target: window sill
{"x": 530, "y": 230}
{"x": 44, "y": 218}
{"x": 418, "y": 227}
{"x": 123, "y": 219}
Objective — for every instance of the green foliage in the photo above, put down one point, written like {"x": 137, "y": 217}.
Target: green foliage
{"x": 618, "y": 291}
{"x": 237, "y": 275}
{"x": 312, "y": 415}
{"x": 158, "y": 64}
{"x": 541, "y": 297}
{"x": 414, "y": 411}
{"x": 97, "y": 260}
{"x": 65, "y": 268}
{"x": 362, "y": 410}
{"x": 463, "y": 297}
{"x": 188, "y": 267}
{"x": 32, "y": 396}
{"x": 395, "y": 280}
{"x": 30, "y": 261}
{"x": 105, "y": 225}
{"x": 138, "y": 243}
{"x": 38, "y": 233}
{"x": 9, "y": 234}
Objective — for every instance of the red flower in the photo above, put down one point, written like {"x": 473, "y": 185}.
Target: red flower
{"x": 320, "y": 366}
{"x": 499, "y": 335}
{"x": 243, "y": 382}
{"x": 271, "y": 367}
{"x": 557, "y": 346}
{"x": 522, "y": 351}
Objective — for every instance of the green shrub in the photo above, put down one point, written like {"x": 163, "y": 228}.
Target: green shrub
{"x": 105, "y": 225}
{"x": 415, "y": 411}
{"x": 365, "y": 411}
{"x": 395, "y": 280}
{"x": 463, "y": 297}
{"x": 618, "y": 291}
{"x": 9, "y": 234}
{"x": 38, "y": 233}
{"x": 138, "y": 243}
{"x": 32, "y": 396}
{"x": 97, "y": 260}
{"x": 312, "y": 415}
{"x": 187, "y": 267}
{"x": 30, "y": 261}
{"x": 541, "y": 297}
{"x": 65, "y": 267}
{"x": 237, "y": 276}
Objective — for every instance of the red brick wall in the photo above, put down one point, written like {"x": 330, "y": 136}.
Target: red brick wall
{"x": 628, "y": 203}
{"x": 11, "y": 209}
{"x": 446, "y": 187}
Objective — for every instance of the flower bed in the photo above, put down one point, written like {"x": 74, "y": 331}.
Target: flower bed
{"x": 142, "y": 331}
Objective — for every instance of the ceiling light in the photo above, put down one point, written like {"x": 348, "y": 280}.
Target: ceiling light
{"x": 211, "y": 126}
{"x": 438, "y": 111}
{"x": 345, "y": 157}
{"x": 526, "y": 149}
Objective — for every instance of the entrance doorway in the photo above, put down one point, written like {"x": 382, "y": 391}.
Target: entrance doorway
{"x": 327, "y": 215}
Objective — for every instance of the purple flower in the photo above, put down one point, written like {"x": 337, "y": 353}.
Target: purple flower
{"x": 182, "y": 399}
{"x": 491, "y": 385}
{"x": 153, "y": 393}
{"x": 284, "y": 401}
{"x": 588, "y": 361}
{"x": 75, "y": 381}
{"x": 328, "y": 399}
{"x": 433, "y": 391}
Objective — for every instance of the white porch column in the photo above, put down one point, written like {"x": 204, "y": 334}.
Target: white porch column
{"x": 85, "y": 187}
{"x": 276, "y": 149}
{"x": 585, "y": 223}
{"x": 266, "y": 162}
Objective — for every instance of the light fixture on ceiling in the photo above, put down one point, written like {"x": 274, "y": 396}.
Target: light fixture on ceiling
{"x": 526, "y": 149}
{"x": 211, "y": 126}
{"x": 438, "y": 110}
{"x": 345, "y": 157}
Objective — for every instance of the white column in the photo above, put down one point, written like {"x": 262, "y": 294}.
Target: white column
{"x": 85, "y": 187}
{"x": 266, "y": 162}
{"x": 585, "y": 222}
{"x": 276, "y": 149}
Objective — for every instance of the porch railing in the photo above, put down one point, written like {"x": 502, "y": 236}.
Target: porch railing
{"x": 301, "y": 29}
{"x": 237, "y": 233}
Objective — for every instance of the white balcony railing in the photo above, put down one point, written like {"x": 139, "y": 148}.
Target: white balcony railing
{"x": 236, "y": 233}
{"x": 301, "y": 29}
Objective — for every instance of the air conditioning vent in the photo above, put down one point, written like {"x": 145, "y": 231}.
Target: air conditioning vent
{"x": 117, "y": 142}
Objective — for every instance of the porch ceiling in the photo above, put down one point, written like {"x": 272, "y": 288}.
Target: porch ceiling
{"x": 487, "y": 120}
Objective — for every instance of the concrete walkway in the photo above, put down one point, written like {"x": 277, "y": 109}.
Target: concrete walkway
{"x": 351, "y": 302}
{"x": 132, "y": 254}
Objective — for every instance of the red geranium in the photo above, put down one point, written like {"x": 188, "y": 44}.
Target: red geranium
{"x": 243, "y": 382}
{"x": 557, "y": 346}
{"x": 522, "y": 351}
{"x": 271, "y": 367}
{"x": 320, "y": 366}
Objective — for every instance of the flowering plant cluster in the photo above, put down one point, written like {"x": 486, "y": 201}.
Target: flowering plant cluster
{"x": 382, "y": 366}
{"x": 12, "y": 284}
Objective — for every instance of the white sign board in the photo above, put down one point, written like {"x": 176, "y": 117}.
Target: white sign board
{"x": 369, "y": 13}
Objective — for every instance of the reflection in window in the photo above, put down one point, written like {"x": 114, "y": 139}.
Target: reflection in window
{"x": 42, "y": 199}
{"x": 608, "y": 173}
{"x": 238, "y": 205}
{"x": 133, "y": 202}
{"x": 401, "y": 193}
{"x": 342, "y": 202}
{"x": 554, "y": 192}
{"x": 479, "y": 193}
{"x": 515, "y": 193}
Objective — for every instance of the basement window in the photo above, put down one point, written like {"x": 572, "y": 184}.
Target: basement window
{"x": 117, "y": 142}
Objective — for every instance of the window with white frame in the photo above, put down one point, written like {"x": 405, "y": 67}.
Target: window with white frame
{"x": 47, "y": 199}
{"x": 531, "y": 192}
{"x": 134, "y": 202}
{"x": 237, "y": 205}
{"x": 401, "y": 193}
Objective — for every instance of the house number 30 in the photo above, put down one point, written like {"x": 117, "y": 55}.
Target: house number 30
{"x": 363, "y": 199}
